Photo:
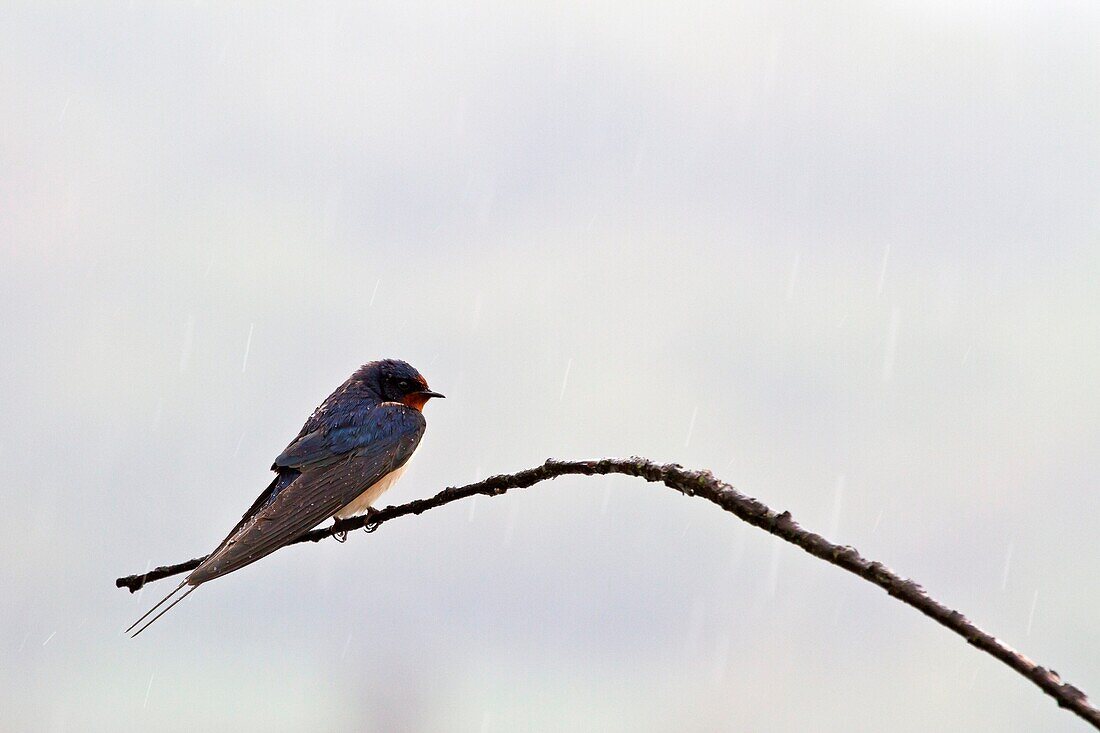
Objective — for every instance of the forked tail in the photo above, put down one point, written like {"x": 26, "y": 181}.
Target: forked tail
{"x": 161, "y": 603}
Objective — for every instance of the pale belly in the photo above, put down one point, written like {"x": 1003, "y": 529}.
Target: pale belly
{"x": 363, "y": 502}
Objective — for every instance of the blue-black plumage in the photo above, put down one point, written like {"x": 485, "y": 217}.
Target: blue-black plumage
{"x": 350, "y": 450}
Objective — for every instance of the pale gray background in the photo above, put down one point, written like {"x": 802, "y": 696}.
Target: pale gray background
{"x": 844, "y": 254}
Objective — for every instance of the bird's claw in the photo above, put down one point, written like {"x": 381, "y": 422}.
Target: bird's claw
{"x": 341, "y": 536}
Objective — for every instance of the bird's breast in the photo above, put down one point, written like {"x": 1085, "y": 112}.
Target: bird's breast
{"x": 360, "y": 504}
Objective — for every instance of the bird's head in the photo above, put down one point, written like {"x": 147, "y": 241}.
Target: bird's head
{"x": 393, "y": 380}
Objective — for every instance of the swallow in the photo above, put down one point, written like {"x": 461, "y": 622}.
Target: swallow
{"x": 351, "y": 449}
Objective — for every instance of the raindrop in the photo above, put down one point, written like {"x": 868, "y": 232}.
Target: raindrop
{"x": 148, "y": 688}
{"x": 882, "y": 272}
{"x": 148, "y": 566}
{"x": 565, "y": 379}
{"x": 64, "y": 110}
{"x": 691, "y": 426}
{"x": 247, "y": 347}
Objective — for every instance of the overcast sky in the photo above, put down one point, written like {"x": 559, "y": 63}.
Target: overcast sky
{"x": 843, "y": 254}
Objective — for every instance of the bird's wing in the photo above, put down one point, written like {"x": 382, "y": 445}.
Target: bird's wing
{"x": 336, "y": 428}
{"x": 324, "y": 485}
{"x": 324, "y": 447}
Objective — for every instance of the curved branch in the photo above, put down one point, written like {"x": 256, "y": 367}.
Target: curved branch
{"x": 704, "y": 484}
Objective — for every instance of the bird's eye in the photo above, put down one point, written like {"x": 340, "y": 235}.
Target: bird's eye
{"x": 403, "y": 384}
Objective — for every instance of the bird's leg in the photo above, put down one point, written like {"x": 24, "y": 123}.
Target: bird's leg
{"x": 368, "y": 524}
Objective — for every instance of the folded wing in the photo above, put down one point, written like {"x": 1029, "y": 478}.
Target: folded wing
{"x": 319, "y": 474}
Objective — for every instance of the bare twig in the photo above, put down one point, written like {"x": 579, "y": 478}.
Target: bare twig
{"x": 704, "y": 484}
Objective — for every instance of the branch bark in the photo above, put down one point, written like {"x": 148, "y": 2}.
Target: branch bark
{"x": 756, "y": 513}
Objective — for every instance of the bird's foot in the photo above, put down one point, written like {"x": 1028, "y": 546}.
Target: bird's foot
{"x": 369, "y": 525}
{"x": 341, "y": 536}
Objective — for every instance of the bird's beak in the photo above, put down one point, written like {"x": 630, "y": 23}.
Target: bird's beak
{"x": 428, "y": 394}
